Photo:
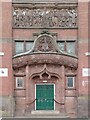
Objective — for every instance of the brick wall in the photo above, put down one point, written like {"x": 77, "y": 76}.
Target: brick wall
{"x": 6, "y": 90}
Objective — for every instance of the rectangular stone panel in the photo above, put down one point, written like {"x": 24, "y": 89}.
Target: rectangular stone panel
{"x": 39, "y": 17}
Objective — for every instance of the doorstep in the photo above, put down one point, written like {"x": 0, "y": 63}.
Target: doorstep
{"x": 45, "y": 112}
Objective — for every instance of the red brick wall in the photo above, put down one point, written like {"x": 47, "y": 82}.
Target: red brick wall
{"x": 28, "y": 33}
{"x": 7, "y": 47}
{"x": 6, "y": 83}
{"x": 82, "y": 44}
{"x": 81, "y": 34}
{"x": 83, "y": 59}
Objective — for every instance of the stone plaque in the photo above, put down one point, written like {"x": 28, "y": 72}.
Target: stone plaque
{"x": 3, "y": 72}
{"x": 86, "y": 72}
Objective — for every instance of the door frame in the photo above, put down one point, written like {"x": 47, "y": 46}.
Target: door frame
{"x": 44, "y": 84}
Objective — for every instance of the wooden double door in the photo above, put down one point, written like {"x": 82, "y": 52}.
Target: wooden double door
{"x": 45, "y": 97}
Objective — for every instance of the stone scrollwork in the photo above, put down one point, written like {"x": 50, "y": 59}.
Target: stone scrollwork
{"x": 26, "y": 17}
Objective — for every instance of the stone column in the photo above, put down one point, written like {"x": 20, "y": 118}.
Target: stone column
{"x": 27, "y": 85}
{"x": 63, "y": 89}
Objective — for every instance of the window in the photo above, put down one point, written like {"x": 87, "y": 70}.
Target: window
{"x": 70, "y": 47}
{"x": 70, "y": 82}
{"x": 61, "y": 45}
{"x": 23, "y": 46}
{"x": 19, "y": 82}
{"x": 19, "y": 47}
{"x": 67, "y": 46}
{"x": 29, "y": 45}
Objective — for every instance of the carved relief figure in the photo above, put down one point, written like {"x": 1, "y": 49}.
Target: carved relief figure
{"x": 26, "y": 17}
{"x": 73, "y": 15}
{"x": 44, "y": 44}
{"x": 55, "y": 18}
{"x": 37, "y": 17}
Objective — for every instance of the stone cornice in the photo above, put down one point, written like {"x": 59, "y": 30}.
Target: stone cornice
{"x": 45, "y": 59}
{"x": 45, "y": 1}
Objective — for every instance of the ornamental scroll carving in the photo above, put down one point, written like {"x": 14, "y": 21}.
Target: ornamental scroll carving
{"x": 26, "y": 17}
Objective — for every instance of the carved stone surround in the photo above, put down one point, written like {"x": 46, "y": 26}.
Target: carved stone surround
{"x": 27, "y": 16}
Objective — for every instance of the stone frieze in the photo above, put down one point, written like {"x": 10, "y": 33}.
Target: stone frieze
{"x": 44, "y": 17}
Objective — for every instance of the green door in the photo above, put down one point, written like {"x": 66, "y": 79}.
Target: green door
{"x": 44, "y": 97}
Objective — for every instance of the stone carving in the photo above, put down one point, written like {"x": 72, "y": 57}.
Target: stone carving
{"x": 44, "y": 43}
{"x": 26, "y": 17}
{"x": 46, "y": 59}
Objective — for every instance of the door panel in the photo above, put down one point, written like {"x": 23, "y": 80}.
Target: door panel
{"x": 44, "y": 97}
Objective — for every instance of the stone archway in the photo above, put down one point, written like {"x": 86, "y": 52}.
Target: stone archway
{"x": 45, "y": 64}
{"x": 49, "y": 80}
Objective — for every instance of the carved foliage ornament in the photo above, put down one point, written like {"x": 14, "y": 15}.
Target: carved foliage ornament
{"x": 26, "y": 17}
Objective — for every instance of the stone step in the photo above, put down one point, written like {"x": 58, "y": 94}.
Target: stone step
{"x": 31, "y": 116}
{"x": 45, "y": 112}
{"x": 46, "y": 116}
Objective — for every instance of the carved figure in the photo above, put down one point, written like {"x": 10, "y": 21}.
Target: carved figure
{"x": 26, "y": 17}
{"x": 73, "y": 15}
{"x": 44, "y": 44}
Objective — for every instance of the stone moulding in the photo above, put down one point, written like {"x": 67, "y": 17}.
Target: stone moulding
{"x": 44, "y": 59}
{"x": 44, "y": 1}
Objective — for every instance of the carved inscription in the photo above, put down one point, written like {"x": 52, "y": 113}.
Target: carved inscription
{"x": 26, "y": 17}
